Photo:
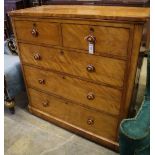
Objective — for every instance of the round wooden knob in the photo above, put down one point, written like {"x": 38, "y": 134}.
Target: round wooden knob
{"x": 90, "y": 39}
{"x": 41, "y": 81}
{"x": 45, "y": 103}
{"x": 37, "y": 56}
{"x": 34, "y": 32}
{"x": 90, "y": 96}
{"x": 90, "y": 68}
{"x": 90, "y": 121}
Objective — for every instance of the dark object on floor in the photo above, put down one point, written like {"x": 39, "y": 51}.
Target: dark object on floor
{"x": 13, "y": 79}
{"x": 135, "y": 132}
{"x": 12, "y": 110}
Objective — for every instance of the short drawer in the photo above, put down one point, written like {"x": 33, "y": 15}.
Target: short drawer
{"x": 85, "y": 93}
{"x": 101, "y": 69}
{"x": 107, "y": 40}
{"x": 88, "y": 120}
{"x": 38, "y": 32}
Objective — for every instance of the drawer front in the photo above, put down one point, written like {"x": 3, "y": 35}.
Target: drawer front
{"x": 97, "y": 68}
{"x": 108, "y": 40}
{"x": 85, "y": 93}
{"x": 89, "y": 120}
{"x": 38, "y": 32}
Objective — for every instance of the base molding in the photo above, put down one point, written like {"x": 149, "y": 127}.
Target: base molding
{"x": 95, "y": 138}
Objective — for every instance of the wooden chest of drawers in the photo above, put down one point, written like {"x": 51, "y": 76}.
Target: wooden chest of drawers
{"x": 79, "y": 65}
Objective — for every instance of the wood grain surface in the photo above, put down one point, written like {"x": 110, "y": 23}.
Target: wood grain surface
{"x": 78, "y": 11}
{"x": 109, "y": 40}
{"x": 101, "y": 124}
{"x": 47, "y": 33}
{"x": 106, "y": 99}
{"x": 107, "y": 70}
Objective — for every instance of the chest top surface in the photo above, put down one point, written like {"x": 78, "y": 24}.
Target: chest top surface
{"x": 86, "y": 12}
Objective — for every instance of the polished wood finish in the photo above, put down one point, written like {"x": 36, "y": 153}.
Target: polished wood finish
{"x": 109, "y": 40}
{"x": 107, "y": 70}
{"x": 89, "y": 12}
{"x": 85, "y": 133}
{"x": 105, "y": 98}
{"x": 88, "y": 120}
{"x": 85, "y": 91}
{"x": 131, "y": 67}
{"x": 38, "y": 32}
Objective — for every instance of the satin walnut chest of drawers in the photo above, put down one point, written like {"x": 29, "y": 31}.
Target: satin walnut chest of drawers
{"x": 79, "y": 64}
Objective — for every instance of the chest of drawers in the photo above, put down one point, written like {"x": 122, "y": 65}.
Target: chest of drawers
{"x": 79, "y": 65}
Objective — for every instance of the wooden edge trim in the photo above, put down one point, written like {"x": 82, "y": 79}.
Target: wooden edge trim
{"x": 97, "y": 18}
{"x": 133, "y": 66}
{"x": 130, "y": 45}
{"x": 76, "y": 22}
{"x": 131, "y": 72}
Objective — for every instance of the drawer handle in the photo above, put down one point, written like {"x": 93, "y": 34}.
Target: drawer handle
{"x": 37, "y": 56}
{"x": 34, "y": 31}
{"x": 90, "y": 96}
{"x": 45, "y": 103}
{"x": 90, "y": 121}
{"x": 90, "y": 38}
{"x": 41, "y": 81}
{"x": 90, "y": 68}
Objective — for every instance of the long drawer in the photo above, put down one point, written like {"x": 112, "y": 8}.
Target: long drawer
{"x": 101, "y": 69}
{"x": 38, "y": 32}
{"x": 86, "y": 93}
{"x": 109, "y": 40}
{"x": 74, "y": 114}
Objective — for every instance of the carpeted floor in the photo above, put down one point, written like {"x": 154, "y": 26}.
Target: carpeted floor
{"x": 26, "y": 134}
